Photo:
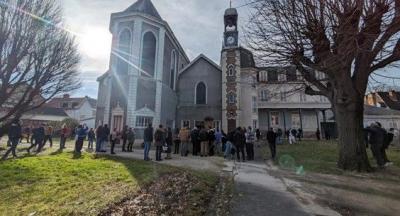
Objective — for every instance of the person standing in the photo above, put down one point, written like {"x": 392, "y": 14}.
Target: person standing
{"x": 250, "y": 138}
{"x": 124, "y": 137}
{"x": 279, "y": 135}
{"x": 28, "y": 131}
{"x": 271, "y": 138}
{"x": 388, "y": 140}
{"x": 131, "y": 139}
{"x": 169, "y": 140}
{"x": 299, "y": 134}
{"x": 376, "y": 139}
{"x": 100, "y": 138}
{"x": 91, "y": 138}
{"x": 148, "y": 139}
{"x": 318, "y": 134}
{"x": 39, "y": 139}
{"x": 177, "y": 140}
{"x": 113, "y": 140}
{"x": 203, "y": 136}
{"x": 159, "y": 139}
{"x": 239, "y": 142}
{"x": 292, "y": 136}
{"x": 194, "y": 135}
{"x": 218, "y": 141}
{"x": 184, "y": 138}
{"x": 81, "y": 134}
{"x": 211, "y": 142}
{"x": 14, "y": 135}
{"x": 106, "y": 137}
{"x": 63, "y": 136}
{"x": 258, "y": 134}
{"x": 229, "y": 145}
{"x": 48, "y": 135}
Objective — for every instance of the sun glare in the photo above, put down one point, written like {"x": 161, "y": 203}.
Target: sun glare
{"x": 95, "y": 43}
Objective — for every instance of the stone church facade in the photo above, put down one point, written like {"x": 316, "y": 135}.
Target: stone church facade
{"x": 151, "y": 80}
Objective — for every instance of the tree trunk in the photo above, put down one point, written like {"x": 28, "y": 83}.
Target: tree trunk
{"x": 352, "y": 147}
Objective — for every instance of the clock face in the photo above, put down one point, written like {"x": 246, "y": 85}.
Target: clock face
{"x": 230, "y": 40}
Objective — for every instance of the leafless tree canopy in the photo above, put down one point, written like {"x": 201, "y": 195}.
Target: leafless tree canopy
{"x": 38, "y": 58}
{"x": 347, "y": 40}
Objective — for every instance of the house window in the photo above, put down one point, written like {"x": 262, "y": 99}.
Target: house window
{"x": 65, "y": 105}
{"x": 173, "y": 70}
{"x": 75, "y": 105}
{"x": 148, "y": 61}
{"x": 283, "y": 96}
{"x": 124, "y": 50}
{"x": 263, "y": 76}
{"x": 231, "y": 70}
{"x": 264, "y": 95}
{"x": 291, "y": 75}
{"x": 254, "y": 100}
{"x": 281, "y": 77}
{"x": 185, "y": 124}
{"x": 295, "y": 120}
{"x": 201, "y": 93}
{"x": 274, "y": 119}
{"x": 272, "y": 76}
{"x": 143, "y": 121}
{"x": 255, "y": 124}
{"x": 231, "y": 98}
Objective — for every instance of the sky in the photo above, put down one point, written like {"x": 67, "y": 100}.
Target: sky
{"x": 198, "y": 25}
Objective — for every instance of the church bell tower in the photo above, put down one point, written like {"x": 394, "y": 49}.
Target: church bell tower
{"x": 230, "y": 64}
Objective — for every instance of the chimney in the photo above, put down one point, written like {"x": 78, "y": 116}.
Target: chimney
{"x": 66, "y": 96}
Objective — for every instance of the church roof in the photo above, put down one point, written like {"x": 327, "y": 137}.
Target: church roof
{"x": 144, "y": 6}
{"x": 201, "y": 56}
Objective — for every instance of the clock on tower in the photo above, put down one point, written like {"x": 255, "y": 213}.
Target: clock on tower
{"x": 231, "y": 30}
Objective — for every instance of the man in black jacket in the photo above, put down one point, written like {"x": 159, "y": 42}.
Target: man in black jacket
{"x": 240, "y": 142}
{"x": 14, "y": 135}
{"x": 271, "y": 137}
{"x": 148, "y": 139}
{"x": 376, "y": 139}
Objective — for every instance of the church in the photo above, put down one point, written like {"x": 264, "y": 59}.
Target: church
{"x": 152, "y": 80}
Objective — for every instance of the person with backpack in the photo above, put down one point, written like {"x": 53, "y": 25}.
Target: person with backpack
{"x": 39, "y": 135}
{"x": 203, "y": 136}
{"x": 229, "y": 145}
{"x": 250, "y": 138}
{"x": 14, "y": 135}
{"x": 159, "y": 139}
{"x": 168, "y": 142}
{"x": 81, "y": 134}
{"x": 148, "y": 139}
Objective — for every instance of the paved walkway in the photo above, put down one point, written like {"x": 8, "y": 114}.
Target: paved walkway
{"x": 259, "y": 194}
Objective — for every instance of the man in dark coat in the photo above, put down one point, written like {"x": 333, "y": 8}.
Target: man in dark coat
{"x": 240, "y": 142}
{"x": 194, "y": 136}
{"x": 148, "y": 139}
{"x": 100, "y": 137}
{"x": 39, "y": 135}
{"x": 159, "y": 140}
{"x": 376, "y": 140}
{"x": 271, "y": 138}
{"x": 14, "y": 135}
{"x": 124, "y": 137}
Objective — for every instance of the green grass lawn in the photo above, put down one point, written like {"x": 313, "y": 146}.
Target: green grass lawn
{"x": 65, "y": 184}
{"x": 321, "y": 157}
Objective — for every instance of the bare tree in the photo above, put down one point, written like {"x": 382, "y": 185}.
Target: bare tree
{"x": 346, "y": 40}
{"x": 38, "y": 58}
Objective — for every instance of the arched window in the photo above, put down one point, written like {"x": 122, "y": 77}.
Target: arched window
{"x": 124, "y": 51}
{"x": 172, "y": 70}
{"x": 201, "y": 93}
{"x": 148, "y": 60}
{"x": 231, "y": 70}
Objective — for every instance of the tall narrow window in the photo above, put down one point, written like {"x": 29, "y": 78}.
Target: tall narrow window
{"x": 231, "y": 70}
{"x": 172, "y": 70}
{"x": 201, "y": 93}
{"x": 148, "y": 61}
{"x": 124, "y": 50}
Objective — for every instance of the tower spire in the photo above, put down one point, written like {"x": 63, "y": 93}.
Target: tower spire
{"x": 230, "y": 3}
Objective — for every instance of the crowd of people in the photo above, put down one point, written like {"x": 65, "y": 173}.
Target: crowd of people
{"x": 200, "y": 141}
